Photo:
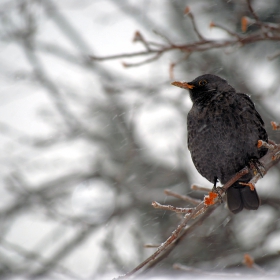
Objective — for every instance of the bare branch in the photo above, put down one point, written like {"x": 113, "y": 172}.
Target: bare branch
{"x": 202, "y": 208}
{"x": 268, "y": 32}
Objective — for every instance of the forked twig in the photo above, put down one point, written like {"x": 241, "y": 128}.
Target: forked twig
{"x": 267, "y": 31}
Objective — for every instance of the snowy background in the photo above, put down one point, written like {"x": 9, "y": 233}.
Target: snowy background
{"x": 86, "y": 146}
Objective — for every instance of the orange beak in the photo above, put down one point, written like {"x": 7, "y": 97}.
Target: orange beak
{"x": 183, "y": 85}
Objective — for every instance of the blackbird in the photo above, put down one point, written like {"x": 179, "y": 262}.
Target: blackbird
{"x": 223, "y": 130}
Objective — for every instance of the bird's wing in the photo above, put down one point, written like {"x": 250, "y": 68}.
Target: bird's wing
{"x": 250, "y": 103}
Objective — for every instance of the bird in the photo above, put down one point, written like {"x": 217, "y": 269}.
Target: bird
{"x": 223, "y": 128}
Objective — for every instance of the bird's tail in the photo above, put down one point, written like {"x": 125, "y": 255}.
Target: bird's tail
{"x": 239, "y": 197}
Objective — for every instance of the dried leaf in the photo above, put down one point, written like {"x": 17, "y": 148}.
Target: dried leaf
{"x": 187, "y": 10}
{"x": 137, "y": 36}
{"x": 248, "y": 260}
{"x": 244, "y": 24}
{"x": 275, "y": 126}
{"x": 212, "y": 24}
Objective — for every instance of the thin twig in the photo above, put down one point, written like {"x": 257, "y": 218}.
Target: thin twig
{"x": 273, "y": 56}
{"x": 232, "y": 33}
{"x": 171, "y": 208}
{"x": 124, "y": 55}
{"x": 189, "y": 13}
{"x": 183, "y": 197}
{"x": 200, "y": 188}
{"x": 200, "y": 271}
{"x": 164, "y": 37}
{"x": 138, "y": 37}
{"x": 252, "y": 11}
{"x": 172, "y": 65}
{"x": 151, "y": 246}
{"x": 257, "y": 20}
{"x": 125, "y": 64}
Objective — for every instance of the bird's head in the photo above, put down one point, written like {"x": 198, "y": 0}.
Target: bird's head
{"x": 205, "y": 87}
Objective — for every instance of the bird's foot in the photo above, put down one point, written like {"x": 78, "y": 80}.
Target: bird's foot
{"x": 257, "y": 167}
{"x": 219, "y": 191}
{"x": 250, "y": 185}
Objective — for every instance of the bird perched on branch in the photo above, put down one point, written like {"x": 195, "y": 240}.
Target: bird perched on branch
{"x": 223, "y": 130}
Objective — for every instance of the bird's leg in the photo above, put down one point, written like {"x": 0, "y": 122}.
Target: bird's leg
{"x": 214, "y": 189}
{"x": 256, "y": 166}
{"x": 217, "y": 190}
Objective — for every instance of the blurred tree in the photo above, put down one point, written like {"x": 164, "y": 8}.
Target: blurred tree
{"x": 86, "y": 146}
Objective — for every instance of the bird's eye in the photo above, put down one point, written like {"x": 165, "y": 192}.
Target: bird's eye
{"x": 202, "y": 82}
